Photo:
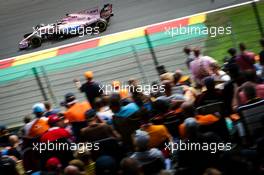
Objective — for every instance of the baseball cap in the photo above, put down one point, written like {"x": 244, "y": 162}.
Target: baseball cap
{"x": 88, "y": 74}
{"x": 38, "y": 108}
{"x": 69, "y": 98}
{"x": 53, "y": 163}
{"x": 53, "y": 118}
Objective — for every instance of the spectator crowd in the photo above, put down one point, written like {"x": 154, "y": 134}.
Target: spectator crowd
{"x": 127, "y": 132}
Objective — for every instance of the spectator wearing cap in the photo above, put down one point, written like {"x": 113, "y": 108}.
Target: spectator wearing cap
{"x": 39, "y": 125}
{"x": 96, "y": 129}
{"x": 91, "y": 88}
{"x": 143, "y": 153}
{"x": 55, "y": 132}
{"x": 75, "y": 113}
{"x": 200, "y": 66}
{"x": 246, "y": 59}
{"x": 53, "y": 166}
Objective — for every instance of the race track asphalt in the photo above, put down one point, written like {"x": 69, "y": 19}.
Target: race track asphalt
{"x": 17, "y": 17}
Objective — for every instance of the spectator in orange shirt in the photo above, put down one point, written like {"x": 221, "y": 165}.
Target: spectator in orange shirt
{"x": 75, "y": 113}
{"x": 158, "y": 134}
{"x": 189, "y": 112}
{"x": 39, "y": 125}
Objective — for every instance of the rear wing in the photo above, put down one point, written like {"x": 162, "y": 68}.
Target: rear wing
{"x": 92, "y": 11}
{"x": 96, "y": 10}
{"x": 107, "y": 11}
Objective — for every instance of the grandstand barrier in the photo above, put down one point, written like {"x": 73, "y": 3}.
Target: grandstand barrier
{"x": 116, "y": 57}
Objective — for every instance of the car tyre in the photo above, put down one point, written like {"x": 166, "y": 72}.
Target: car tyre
{"x": 35, "y": 41}
{"x": 102, "y": 25}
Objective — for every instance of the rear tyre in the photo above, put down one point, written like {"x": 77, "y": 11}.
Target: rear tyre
{"x": 35, "y": 41}
{"x": 102, "y": 25}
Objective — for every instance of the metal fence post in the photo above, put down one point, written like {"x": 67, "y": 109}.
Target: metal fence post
{"x": 35, "y": 72}
{"x": 140, "y": 67}
{"x": 256, "y": 12}
{"x": 160, "y": 68}
{"x": 53, "y": 97}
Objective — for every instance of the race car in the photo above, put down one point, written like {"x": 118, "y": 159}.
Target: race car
{"x": 92, "y": 21}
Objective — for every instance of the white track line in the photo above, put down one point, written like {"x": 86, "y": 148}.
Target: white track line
{"x": 80, "y": 42}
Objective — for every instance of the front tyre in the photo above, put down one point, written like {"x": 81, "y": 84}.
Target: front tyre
{"x": 35, "y": 41}
{"x": 102, "y": 25}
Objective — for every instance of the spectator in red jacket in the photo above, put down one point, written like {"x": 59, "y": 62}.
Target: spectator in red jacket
{"x": 55, "y": 132}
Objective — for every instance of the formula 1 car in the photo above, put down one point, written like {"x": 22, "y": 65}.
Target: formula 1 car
{"x": 92, "y": 21}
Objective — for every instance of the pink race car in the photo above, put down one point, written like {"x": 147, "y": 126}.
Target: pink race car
{"x": 91, "y": 21}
